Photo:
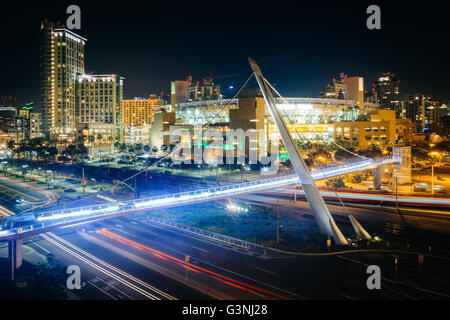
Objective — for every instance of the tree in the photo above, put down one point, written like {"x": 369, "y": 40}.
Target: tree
{"x": 336, "y": 183}
{"x": 52, "y": 152}
{"x": 82, "y": 151}
{"x": 356, "y": 178}
{"x": 373, "y": 151}
{"x": 81, "y": 139}
{"x": 91, "y": 140}
{"x": 70, "y": 151}
{"x": 147, "y": 148}
{"x": 138, "y": 147}
{"x": 122, "y": 147}
{"x": 155, "y": 149}
{"x": 12, "y": 147}
{"x": 24, "y": 148}
{"x": 342, "y": 155}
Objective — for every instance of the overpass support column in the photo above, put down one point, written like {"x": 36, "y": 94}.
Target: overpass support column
{"x": 402, "y": 165}
{"x": 14, "y": 257}
{"x": 376, "y": 173}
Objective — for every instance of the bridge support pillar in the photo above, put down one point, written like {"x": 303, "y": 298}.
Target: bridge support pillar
{"x": 14, "y": 257}
{"x": 402, "y": 165}
{"x": 376, "y": 173}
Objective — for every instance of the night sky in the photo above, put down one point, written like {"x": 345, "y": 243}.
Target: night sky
{"x": 299, "y": 45}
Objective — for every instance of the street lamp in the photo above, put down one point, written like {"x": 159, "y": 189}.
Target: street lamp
{"x": 436, "y": 155}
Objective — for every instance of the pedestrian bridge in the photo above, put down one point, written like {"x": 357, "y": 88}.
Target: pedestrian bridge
{"x": 46, "y": 221}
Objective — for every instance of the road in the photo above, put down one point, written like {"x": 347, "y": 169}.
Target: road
{"x": 133, "y": 258}
{"x": 28, "y": 195}
{"x": 106, "y": 275}
{"x": 156, "y": 254}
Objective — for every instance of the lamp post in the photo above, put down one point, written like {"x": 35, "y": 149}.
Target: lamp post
{"x": 432, "y": 179}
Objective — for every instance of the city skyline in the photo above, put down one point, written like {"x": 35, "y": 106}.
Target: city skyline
{"x": 153, "y": 64}
{"x": 235, "y": 151}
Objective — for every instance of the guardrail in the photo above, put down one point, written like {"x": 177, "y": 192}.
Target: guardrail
{"x": 64, "y": 216}
{"x": 203, "y": 233}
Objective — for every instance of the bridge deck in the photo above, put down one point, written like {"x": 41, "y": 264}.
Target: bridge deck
{"x": 46, "y": 221}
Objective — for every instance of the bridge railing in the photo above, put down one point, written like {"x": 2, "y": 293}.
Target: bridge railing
{"x": 203, "y": 233}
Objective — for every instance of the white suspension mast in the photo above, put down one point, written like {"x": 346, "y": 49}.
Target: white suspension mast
{"x": 318, "y": 207}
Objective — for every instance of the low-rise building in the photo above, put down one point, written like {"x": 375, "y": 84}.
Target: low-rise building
{"x": 160, "y": 129}
{"x": 379, "y": 128}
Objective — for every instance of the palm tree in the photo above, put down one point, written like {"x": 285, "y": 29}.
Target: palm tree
{"x": 122, "y": 147}
{"x": 52, "y": 151}
{"x": 71, "y": 151}
{"x": 81, "y": 139}
{"x": 82, "y": 151}
{"x": 12, "y": 147}
{"x": 91, "y": 140}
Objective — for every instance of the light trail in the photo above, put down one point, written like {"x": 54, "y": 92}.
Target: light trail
{"x": 375, "y": 198}
{"x": 187, "y": 265}
{"x": 64, "y": 245}
{"x": 50, "y": 195}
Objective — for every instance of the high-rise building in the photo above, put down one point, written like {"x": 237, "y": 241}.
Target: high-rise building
{"x": 21, "y": 128}
{"x": 178, "y": 92}
{"x": 423, "y": 112}
{"x": 348, "y": 88}
{"x": 62, "y": 60}
{"x": 35, "y": 125}
{"x": 388, "y": 92}
{"x": 7, "y": 118}
{"x": 354, "y": 90}
{"x": 26, "y": 124}
{"x": 99, "y": 104}
{"x": 335, "y": 90}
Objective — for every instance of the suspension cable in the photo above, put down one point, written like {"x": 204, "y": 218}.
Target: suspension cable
{"x": 179, "y": 147}
{"x": 306, "y": 147}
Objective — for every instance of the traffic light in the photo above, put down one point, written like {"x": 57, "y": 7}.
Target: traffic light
{"x": 49, "y": 178}
{"x": 84, "y": 183}
{"x": 33, "y": 178}
{"x": 64, "y": 178}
